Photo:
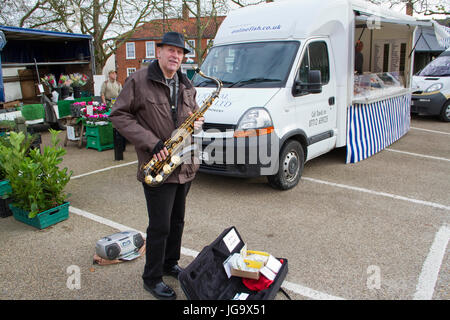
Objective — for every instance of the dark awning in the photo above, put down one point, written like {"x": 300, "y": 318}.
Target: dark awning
{"x": 427, "y": 41}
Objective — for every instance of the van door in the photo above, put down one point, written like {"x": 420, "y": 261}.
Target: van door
{"x": 317, "y": 112}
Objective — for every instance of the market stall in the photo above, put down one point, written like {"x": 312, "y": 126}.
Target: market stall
{"x": 30, "y": 58}
{"x": 380, "y": 110}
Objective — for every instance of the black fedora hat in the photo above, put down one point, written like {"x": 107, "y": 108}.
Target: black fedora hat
{"x": 174, "y": 39}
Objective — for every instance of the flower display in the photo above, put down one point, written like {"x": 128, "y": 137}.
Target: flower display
{"x": 78, "y": 79}
{"x": 49, "y": 80}
{"x": 98, "y": 114}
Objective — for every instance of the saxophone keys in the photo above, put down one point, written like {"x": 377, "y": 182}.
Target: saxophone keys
{"x": 158, "y": 178}
{"x": 148, "y": 179}
{"x": 150, "y": 164}
{"x": 167, "y": 169}
{"x": 175, "y": 160}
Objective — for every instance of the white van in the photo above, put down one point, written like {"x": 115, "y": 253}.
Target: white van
{"x": 290, "y": 88}
{"x": 431, "y": 88}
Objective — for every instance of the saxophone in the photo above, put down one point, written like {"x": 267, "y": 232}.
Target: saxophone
{"x": 156, "y": 172}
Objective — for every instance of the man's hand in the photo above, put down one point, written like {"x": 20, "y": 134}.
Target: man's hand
{"x": 160, "y": 152}
{"x": 198, "y": 123}
{"x": 162, "y": 155}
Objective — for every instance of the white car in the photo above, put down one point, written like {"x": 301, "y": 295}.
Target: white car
{"x": 431, "y": 88}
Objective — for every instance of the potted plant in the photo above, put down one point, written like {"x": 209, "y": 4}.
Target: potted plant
{"x": 5, "y": 186}
{"x": 50, "y": 81}
{"x": 78, "y": 81}
{"x": 37, "y": 183}
{"x": 64, "y": 83}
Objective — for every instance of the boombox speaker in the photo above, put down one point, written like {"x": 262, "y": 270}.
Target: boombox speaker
{"x": 119, "y": 245}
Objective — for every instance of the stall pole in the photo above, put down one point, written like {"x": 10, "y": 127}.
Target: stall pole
{"x": 2, "y": 45}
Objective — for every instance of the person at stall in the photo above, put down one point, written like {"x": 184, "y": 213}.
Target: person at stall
{"x": 359, "y": 59}
{"x": 110, "y": 88}
{"x": 145, "y": 115}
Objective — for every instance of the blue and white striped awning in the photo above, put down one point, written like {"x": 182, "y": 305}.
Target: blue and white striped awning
{"x": 374, "y": 126}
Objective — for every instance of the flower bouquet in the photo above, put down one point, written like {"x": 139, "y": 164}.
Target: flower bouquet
{"x": 64, "y": 81}
{"x": 50, "y": 81}
{"x": 78, "y": 79}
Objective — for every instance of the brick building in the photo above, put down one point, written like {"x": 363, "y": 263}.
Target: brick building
{"x": 140, "y": 49}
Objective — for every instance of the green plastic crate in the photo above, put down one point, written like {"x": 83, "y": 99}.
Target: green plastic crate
{"x": 43, "y": 219}
{"x": 104, "y": 133}
{"x": 5, "y": 187}
{"x": 94, "y": 143}
{"x": 33, "y": 112}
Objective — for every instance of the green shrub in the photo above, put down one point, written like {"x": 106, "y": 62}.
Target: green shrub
{"x": 36, "y": 181}
{"x": 20, "y": 150}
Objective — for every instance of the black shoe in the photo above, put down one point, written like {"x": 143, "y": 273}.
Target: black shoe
{"x": 173, "y": 271}
{"x": 161, "y": 291}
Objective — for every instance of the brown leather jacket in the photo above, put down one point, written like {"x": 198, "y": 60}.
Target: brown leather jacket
{"x": 143, "y": 116}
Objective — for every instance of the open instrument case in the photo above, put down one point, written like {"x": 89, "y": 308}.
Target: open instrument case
{"x": 205, "y": 277}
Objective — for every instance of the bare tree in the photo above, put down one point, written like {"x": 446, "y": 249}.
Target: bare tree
{"x": 205, "y": 14}
{"x": 423, "y": 7}
{"x": 244, "y": 3}
{"x": 110, "y": 23}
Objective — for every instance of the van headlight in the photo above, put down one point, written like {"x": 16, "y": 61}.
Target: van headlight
{"x": 434, "y": 87}
{"x": 254, "y": 122}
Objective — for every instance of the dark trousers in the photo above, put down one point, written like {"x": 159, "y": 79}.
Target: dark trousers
{"x": 165, "y": 206}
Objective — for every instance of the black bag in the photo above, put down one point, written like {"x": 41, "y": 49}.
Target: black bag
{"x": 205, "y": 277}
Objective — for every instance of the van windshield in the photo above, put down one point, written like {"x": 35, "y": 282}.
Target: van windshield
{"x": 255, "y": 65}
{"x": 439, "y": 67}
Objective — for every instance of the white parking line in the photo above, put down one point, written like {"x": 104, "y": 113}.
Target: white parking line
{"x": 432, "y": 131}
{"x": 296, "y": 288}
{"x": 339, "y": 185}
{"x": 432, "y": 265}
{"x": 417, "y": 155}
{"x": 104, "y": 169}
{"x": 378, "y": 193}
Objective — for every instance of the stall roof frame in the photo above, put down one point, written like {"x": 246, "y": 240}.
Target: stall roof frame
{"x": 40, "y": 34}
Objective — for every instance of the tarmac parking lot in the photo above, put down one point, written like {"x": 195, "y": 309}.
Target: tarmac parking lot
{"x": 377, "y": 229}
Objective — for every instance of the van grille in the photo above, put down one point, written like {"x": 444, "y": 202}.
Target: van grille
{"x": 218, "y": 127}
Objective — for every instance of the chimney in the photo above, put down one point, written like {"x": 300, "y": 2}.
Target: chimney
{"x": 185, "y": 12}
{"x": 409, "y": 8}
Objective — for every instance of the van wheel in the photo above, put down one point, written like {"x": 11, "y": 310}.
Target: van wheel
{"x": 445, "y": 112}
{"x": 292, "y": 161}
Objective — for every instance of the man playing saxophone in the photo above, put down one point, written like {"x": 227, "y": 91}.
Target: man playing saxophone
{"x": 153, "y": 102}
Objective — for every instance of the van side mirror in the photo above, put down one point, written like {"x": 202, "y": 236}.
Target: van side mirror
{"x": 314, "y": 84}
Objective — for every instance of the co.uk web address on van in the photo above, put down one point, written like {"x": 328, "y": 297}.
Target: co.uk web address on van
{"x": 257, "y": 28}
